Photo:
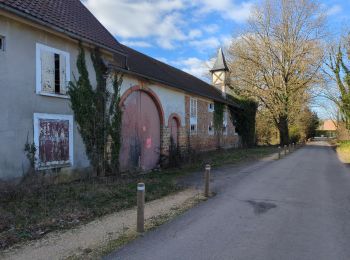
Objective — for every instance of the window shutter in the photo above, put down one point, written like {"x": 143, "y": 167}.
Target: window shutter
{"x": 225, "y": 119}
{"x": 63, "y": 79}
{"x": 47, "y": 71}
{"x": 193, "y": 111}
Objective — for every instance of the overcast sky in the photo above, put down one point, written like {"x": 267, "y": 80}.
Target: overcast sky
{"x": 187, "y": 33}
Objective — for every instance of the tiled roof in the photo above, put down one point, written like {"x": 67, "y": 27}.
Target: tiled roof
{"x": 328, "y": 125}
{"x": 158, "y": 71}
{"x": 70, "y": 16}
{"x": 220, "y": 63}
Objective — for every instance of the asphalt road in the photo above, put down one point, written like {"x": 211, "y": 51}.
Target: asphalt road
{"x": 294, "y": 208}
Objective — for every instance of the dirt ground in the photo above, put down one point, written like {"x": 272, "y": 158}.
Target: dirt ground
{"x": 85, "y": 240}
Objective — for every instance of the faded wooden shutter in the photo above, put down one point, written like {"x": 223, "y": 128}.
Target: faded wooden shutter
{"x": 47, "y": 71}
{"x": 193, "y": 111}
{"x": 63, "y": 79}
{"x": 225, "y": 119}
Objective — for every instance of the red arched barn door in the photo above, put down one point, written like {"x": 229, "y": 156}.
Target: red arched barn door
{"x": 140, "y": 132}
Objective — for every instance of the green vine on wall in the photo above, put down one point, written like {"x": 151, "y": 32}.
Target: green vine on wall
{"x": 30, "y": 150}
{"x": 115, "y": 122}
{"x": 243, "y": 119}
{"x": 218, "y": 116}
{"x": 218, "y": 120}
{"x": 97, "y": 123}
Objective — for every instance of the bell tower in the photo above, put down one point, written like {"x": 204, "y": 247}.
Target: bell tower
{"x": 219, "y": 72}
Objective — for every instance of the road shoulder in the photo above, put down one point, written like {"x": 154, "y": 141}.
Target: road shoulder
{"x": 106, "y": 234}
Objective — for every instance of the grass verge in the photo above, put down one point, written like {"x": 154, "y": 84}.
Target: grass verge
{"x": 28, "y": 213}
{"x": 343, "y": 151}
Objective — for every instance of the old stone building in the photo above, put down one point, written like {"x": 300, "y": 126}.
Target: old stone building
{"x": 39, "y": 46}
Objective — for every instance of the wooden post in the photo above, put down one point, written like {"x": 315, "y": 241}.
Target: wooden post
{"x": 279, "y": 152}
{"x": 285, "y": 149}
{"x": 207, "y": 180}
{"x": 140, "y": 207}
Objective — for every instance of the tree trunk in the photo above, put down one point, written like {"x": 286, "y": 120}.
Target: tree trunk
{"x": 283, "y": 130}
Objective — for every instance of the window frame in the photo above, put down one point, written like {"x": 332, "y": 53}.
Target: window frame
{"x": 211, "y": 110}
{"x": 195, "y": 129}
{"x": 211, "y": 132}
{"x": 225, "y": 123}
{"x": 3, "y": 45}
{"x": 193, "y": 120}
{"x": 39, "y": 90}
{"x": 36, "y": 118}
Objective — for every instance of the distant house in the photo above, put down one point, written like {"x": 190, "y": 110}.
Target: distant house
{"x": 328, "y": 125}
{"x": 327, "y": 128}
{"x": 38, "y": 53}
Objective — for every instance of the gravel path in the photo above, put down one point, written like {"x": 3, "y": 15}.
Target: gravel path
{"x": 60, "y": 245}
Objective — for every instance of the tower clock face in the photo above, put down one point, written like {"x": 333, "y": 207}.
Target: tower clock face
{"x": 218, "y": 77}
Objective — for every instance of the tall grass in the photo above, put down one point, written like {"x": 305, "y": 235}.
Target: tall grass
{"x": 343, "y": 150}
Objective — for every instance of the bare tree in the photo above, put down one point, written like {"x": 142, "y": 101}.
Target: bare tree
{"x": 278, "y": 59}
{"x": 338, "y": 70}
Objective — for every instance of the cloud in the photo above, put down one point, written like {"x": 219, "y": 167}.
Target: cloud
{"x": 196, "y": 67}
{"x": 141, "y": 19}
{"x": 142, "y": 44}
{"x": 226, "y": 41}
{"x": 211, "y": 28}
{"x": 203, "y": 45}
{"x": 164, "y": 23}
{"x": 336, "y": 9}
{"x": 194, "y": 33}
{"x": 227, "y": 9}
{"x": 162, "y": 59}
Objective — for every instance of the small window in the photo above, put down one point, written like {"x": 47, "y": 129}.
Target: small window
{"x": 193, "y": 115}
{"x": 224, "y": 125}
{"x": 211, "y": 107}
{"x": 193, "y": 108}
{"x": 193, "y": 128}
{"x": 53, "y": 138}
{"x": 211, "y": 128}
{"x": 53, "y": 71}
{"x": 2, "y": 43}
{"x": 224, "y": 130}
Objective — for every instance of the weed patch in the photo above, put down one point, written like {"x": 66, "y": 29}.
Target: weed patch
{"x": 29, "y": 212}
{"x": 343, "y": 150}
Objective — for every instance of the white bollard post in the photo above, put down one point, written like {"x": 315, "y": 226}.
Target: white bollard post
{"x": 207, "y": 180}
{"x": 279, "y": 152}
{"x": 140, "y": 207}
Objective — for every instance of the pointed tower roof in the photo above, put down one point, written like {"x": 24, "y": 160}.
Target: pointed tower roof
{"x": 220, "y": 63}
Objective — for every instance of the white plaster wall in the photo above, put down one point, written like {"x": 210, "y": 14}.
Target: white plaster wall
{"x": 172, "y": 101}
{"x": 128, "y": 82}
{"x": 18, "y": 98}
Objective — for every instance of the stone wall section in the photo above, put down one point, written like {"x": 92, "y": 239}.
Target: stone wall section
{"x": 202, "y": 139}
